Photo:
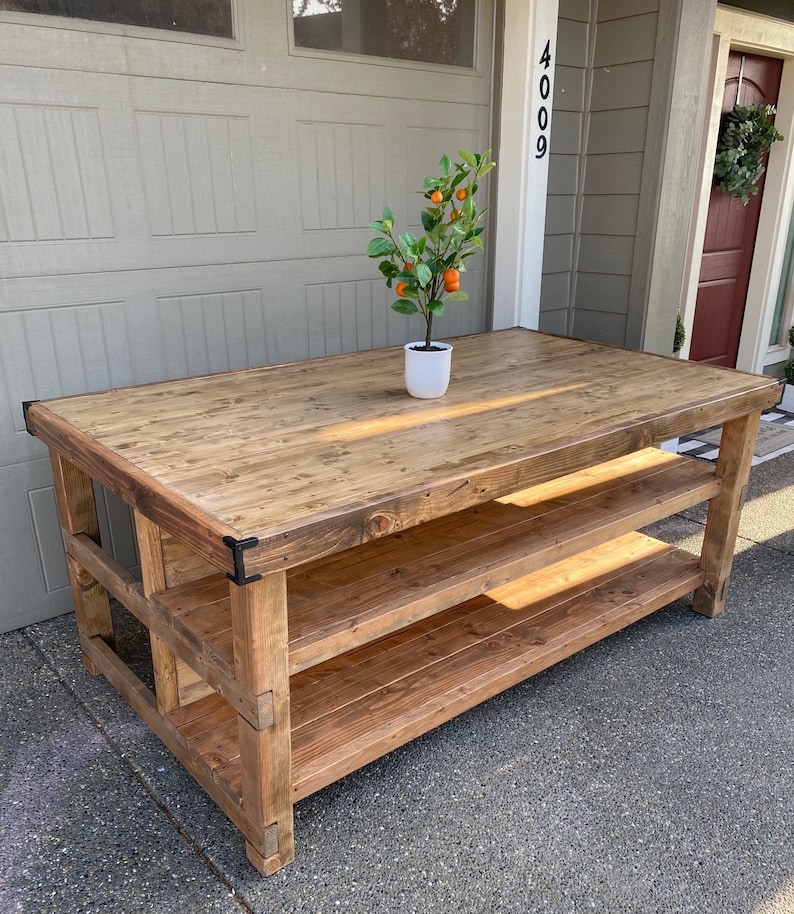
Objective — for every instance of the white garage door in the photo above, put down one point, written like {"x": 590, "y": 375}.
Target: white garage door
{"x": 173, "y": 204}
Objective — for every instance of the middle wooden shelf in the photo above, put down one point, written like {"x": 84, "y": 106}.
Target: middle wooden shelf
{"x": 351, "y": 598}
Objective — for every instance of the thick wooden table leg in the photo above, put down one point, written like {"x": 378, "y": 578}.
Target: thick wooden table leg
{"x": 259, "y": 630}
{"x": 150, "y": 550}
{"x": 722, "y": 525}
{"x": 74, "y": 495}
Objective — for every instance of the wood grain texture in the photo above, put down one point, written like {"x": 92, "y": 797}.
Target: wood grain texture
{"x": 354, "y": 597}
{"x": 362, "y": 704}
{"x": 315, "y": 457}
{"x": 150, "y": 550}
{"x": 194, "y": 647}
{"x": 259, "y": 632}
{"x": 74, "y": 496}
{"x": 722, "y": 524}
{"x": 199, "y": 765}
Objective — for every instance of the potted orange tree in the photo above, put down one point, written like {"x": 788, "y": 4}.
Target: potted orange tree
{"x": 425, "y": 270}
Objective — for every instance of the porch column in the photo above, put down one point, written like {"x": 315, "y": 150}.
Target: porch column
{"x": 527, "y": 87}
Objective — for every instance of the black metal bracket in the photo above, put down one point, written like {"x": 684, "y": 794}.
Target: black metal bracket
{"x": 26, "y": 404}
{"x": 238, "y": 547}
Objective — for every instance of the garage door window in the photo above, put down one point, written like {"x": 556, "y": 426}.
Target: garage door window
{"x": 431, "y": 31}
{"x": 201, "y": 17}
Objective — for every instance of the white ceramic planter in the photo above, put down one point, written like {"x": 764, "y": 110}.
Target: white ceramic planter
{"x": 787, "y": 403}
{"x": 427, "y": 372}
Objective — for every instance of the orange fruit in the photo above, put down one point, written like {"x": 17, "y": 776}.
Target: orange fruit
{"x": 408, "y": 267}
{"x": 400, "y": 289}
{"x": 454, "y": 214}
{"x": 436, "y": 196}
{"x": 451, "y": 275}
{"x": 452, "y": 286}
{"x": 461, "y": 193}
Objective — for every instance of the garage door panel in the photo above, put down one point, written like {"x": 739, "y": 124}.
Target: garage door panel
{"x": 341, "y": 178}
{"x": 392, "y": 153}
{"x": 35, "y": 584}
{"x": 177, "y": 185}
{"x": 197, "y": 173}
{"x": 173, "y": 207}
{"x": 51, "y": 189}
{"x": 34, "y": 579}
{"x": 49, "y": 352}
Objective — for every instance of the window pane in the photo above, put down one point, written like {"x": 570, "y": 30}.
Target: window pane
{"x": 432, "y": 31}
{"x": 201, "y": 17}
{"x": 779, "y": 333}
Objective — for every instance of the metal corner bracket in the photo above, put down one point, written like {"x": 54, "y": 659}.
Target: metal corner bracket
{"x": 26, "y": 404}
{"x": 238, "y": 547}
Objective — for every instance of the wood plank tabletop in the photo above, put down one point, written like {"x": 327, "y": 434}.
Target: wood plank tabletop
{"x": 308, "y": 458}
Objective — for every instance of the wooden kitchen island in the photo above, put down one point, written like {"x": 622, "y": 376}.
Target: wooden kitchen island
{"x": 330, "y": 568}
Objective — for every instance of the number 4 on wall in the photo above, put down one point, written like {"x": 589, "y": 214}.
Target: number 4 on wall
{"x": 544, "y": 85}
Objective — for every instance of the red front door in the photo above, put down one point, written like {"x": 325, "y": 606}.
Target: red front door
{"x": 731, "y": 228}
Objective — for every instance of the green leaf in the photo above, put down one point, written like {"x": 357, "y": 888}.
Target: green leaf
{"x": 423, "y": 274}
{"x": 404, "y": 307}
{"x": 388, "y": 214}
{"x": 408, "y": 245}
{"x": 484, "y": 169}
{"x": 380, "y": 246}
{"x": 477, "y": 242}
{"x": 388, "y": 269}
{"x": 468, "y": 157}
{"x": 428, "y": 222}
{"x": 457, "y": 296}
{"x": 436, "y": 307}
{"x": 444, "y": 165}
{"x": 385, "y": 226}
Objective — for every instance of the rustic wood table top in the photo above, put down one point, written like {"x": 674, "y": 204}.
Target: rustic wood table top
{"x": 308, "y": 458}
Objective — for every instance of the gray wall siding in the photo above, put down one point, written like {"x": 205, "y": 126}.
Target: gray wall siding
{"x": 601, "y": 167}
{"x": 565, "y": 166}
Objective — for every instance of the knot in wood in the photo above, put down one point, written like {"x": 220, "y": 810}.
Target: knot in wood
{"x": 381, "y": 524}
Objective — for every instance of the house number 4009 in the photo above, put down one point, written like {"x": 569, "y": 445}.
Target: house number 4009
{"x": 544, "y": 85}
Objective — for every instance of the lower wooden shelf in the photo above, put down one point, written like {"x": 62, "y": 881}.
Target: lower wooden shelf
{"x": 358, "y": 706}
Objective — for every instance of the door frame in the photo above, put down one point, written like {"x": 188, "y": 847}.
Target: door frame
{"x": 734, "y": 29}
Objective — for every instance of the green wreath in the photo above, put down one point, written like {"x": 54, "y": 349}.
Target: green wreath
{"x": 745, "y": 138}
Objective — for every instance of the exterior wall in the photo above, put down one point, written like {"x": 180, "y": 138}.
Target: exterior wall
{"x": 571, "y": 83}
{"x": 599, "y": 140}
{"x": 622, "y": 74}
{"x": 623, "y": 177}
